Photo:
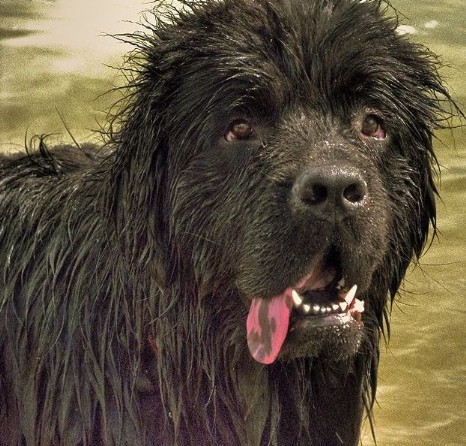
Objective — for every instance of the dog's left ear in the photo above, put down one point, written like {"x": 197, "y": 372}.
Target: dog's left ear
{"x": 427, "y": 106}
{"x": 424, "y": 105}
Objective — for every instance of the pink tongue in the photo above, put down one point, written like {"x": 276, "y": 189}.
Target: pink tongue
{"x": 267, "y": 326}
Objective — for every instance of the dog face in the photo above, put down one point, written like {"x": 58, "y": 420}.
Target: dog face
{"x": 298, "y": 165}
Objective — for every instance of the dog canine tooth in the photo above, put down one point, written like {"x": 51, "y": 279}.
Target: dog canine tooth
{"x": 350, "y": 294}
{"x": 343, "y": 306}
{"x": 297, "y": 299}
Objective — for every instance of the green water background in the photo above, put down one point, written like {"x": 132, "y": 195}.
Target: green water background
{"x": 55, "y": 67}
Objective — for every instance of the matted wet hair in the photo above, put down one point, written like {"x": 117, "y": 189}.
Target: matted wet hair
{"x": 125, "y": 273}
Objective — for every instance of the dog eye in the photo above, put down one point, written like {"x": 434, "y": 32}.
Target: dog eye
{"x": 239, "y": 130}
{"x": 372, "y": 126}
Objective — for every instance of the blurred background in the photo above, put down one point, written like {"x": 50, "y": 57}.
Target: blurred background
{"x": 57, "y": 66}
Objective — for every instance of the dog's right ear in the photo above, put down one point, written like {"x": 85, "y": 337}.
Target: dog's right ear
{"x": 136, "y": 189}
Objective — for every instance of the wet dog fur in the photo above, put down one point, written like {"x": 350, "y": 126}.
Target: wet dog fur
{"x": 127, "y": 272}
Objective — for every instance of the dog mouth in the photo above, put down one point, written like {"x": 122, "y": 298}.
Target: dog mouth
{"x": 322, "y": 298}
{"x": 326, "y": 299}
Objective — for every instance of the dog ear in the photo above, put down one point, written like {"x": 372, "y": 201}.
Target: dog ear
{"x": 136, "y": 195}
{"x": 424, "y": 105}
{"x": 423, "y": 223}
{"x": 428, "y": 107}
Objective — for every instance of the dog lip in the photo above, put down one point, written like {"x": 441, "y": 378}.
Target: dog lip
{"x": 304, "y": 326}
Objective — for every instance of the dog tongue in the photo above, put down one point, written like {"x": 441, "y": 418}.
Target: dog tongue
{"x": 267, "y": 326}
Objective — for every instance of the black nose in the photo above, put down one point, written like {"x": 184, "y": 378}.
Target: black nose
{"x": 330, "y": 191}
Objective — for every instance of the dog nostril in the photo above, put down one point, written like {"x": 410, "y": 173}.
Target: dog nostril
{"x": 355, "y": 192}
{"x": 315, "y": 194}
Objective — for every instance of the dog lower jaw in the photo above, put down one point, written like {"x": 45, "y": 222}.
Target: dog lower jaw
{"x": 335, "y": 337}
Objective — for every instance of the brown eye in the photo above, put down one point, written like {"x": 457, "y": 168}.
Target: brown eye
{"x": 372, "y": 126}
{"x": 239, "y": 130}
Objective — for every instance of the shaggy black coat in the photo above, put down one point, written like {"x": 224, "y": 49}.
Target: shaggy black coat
{"x": 127, "y": 271}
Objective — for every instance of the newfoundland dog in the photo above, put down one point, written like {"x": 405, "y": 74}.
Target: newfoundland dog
{"x": 219, "y": 272}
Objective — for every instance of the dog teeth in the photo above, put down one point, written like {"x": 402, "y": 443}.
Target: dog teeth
{"x": 358, "y": 306}
{"x": 350, "y": 303}
{"x": 350, "y": 294}
{"x": 357, "y": 310}
{"x": 297, "y": 299}
{"x": 341, "y": 284}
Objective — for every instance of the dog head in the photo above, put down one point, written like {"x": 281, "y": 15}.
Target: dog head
{"x": 286, "y": 157}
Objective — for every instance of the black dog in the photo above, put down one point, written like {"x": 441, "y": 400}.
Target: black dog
{"x": 220, "y": 274}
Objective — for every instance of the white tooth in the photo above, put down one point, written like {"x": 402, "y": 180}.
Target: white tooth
{"x": 359, "y": 306}
{"x": 297, "y": 299}
{"x": 341, "y": 283}
{"x": 350, "y": 294}
{"x": 329, "y": 309}
{"x": 343, "y": 306}
{"x": 316, "y": 308}
{"x": 335, "y": 307}
{"x": 323, "y": 310}
{"x": 306, "y": 308}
